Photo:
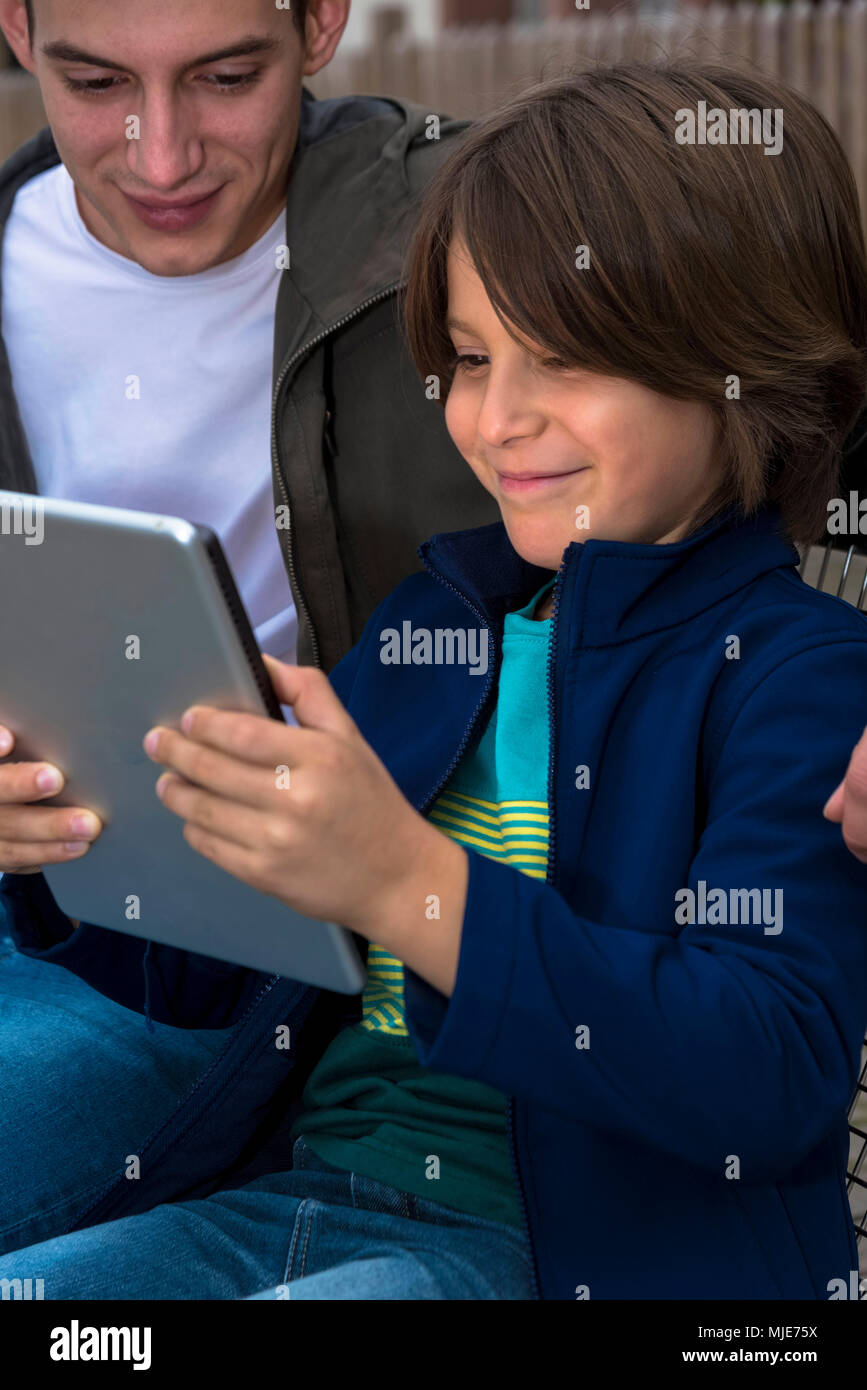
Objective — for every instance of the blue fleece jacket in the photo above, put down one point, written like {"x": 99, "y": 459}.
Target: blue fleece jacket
{"x": 676, "y": 1012}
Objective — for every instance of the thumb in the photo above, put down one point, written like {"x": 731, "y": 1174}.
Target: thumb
{"x": 833, "y": 808}
{"x": 311, "y": 696}
{"x": 855, "y": 775}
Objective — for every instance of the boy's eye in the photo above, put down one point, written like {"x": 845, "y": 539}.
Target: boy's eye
{"x": 464, "y": 361}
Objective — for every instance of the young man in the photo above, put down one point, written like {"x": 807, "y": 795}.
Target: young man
{"x": 200, "y": 266}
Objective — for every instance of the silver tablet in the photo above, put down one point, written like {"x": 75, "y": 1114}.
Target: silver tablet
{"x": 113, "y": 621}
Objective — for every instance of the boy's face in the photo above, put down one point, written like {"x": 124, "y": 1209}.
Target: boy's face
{"x": 546, "y": 441}
{"x": 205, "y": 173}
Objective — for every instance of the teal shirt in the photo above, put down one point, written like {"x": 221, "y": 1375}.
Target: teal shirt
{"x": 368, "y": 1104}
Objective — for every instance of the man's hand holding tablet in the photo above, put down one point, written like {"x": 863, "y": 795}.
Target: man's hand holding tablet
{"x": 32, "y": 835}
{"x": 153, "y": 626}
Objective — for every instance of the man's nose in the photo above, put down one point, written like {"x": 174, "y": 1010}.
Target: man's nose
{"x": 166, "y": 148}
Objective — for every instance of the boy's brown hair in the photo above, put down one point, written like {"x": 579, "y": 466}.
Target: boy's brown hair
{"x": 706, "y": 262}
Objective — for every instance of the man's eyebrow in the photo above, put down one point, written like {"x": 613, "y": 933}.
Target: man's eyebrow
{"x": 64, "y": 52}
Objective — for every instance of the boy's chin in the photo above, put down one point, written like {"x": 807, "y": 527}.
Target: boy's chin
{"x": 537, "y": 549}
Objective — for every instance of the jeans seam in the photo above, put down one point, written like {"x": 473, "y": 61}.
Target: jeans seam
{"x": 307, "y": 1235}
{"x": 290, "y": 1258}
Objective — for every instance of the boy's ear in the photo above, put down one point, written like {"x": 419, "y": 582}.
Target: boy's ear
{"x": 13, "y": 22}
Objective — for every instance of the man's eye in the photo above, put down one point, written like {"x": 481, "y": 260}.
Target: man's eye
{"x": 231, "y": 81}
{"x": 220, "y": 81}
{"x": 92, "y": 86}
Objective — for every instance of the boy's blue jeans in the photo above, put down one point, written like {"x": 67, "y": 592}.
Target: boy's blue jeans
{"x": 81, "y": 1076}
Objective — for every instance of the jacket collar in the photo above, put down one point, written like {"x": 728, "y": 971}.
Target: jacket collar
{"x": 622, "y": 590}
{"x": 357, "y": 167}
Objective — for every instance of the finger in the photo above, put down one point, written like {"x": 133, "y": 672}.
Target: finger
{"x": 855, "y": 835}
{"x": 7, "y": 742}
{"x": 833, "y": 808}
{"x": 21, "y": 782}
{"x": 18, "y": 858}
{"x": 240, "y": 825}
{"x": 42, "y": 824}
{"x": 235, "y": 859}
{"x": 249, "y": 737}
{"x": 850, "y": 799}
{"x": 252, "y": 784}
{"x": 312, "y": 697}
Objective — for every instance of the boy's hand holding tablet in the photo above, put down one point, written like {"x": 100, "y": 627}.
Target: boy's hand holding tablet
{"x": 333, "y": 837}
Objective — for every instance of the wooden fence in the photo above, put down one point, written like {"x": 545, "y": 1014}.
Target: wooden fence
{"x": 820, "y": 49}
{"x": 21, "y": 111}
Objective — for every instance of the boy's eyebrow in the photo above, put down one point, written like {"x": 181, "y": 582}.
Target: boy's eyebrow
{"x": 64, "y": 52}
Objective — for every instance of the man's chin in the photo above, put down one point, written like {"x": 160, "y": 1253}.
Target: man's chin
{"x": 164, "y": 253}
{"x": 167, "y": 255}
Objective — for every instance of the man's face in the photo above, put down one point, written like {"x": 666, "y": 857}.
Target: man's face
{"x": 214, "y": 87}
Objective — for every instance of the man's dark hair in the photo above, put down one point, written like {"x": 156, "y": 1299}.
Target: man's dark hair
{"x": 299, "y": 11}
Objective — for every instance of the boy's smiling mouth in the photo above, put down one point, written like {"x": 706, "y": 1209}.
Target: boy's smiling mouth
{"x": 527, "y": 482}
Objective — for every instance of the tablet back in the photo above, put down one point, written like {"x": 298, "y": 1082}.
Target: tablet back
{"x": 113, "y": 621}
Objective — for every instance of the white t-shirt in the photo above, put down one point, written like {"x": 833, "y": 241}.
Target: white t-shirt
{"x": 88, "y": 330}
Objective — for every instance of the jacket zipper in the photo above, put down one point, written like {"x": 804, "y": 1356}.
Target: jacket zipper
{"x": 552, "y": 663}
{"x": 510, "y": 1102}
{"x": 275, "y": 448}
{"x": 266, "y": 989}
{"x": 549, "y": 869}
{"x": 431, "y": 796}
{"x": 549, "y": 875}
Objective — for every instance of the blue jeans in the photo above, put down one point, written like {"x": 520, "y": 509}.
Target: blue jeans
{"x": 313, "y": 1232}
{"x": 82, "y": 1085}
{"x": 80, "y": 1076}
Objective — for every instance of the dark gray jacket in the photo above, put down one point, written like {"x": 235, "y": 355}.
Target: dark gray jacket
{"x": 360, "y": 456}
